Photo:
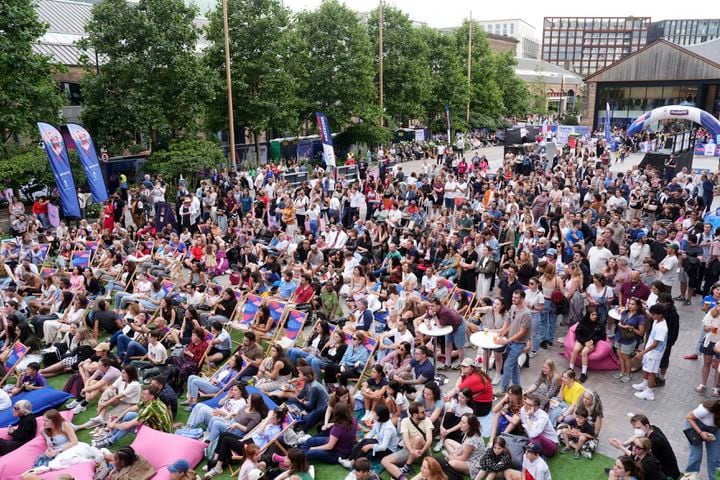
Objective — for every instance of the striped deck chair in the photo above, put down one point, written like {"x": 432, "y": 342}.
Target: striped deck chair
{"x": 48, "y": 272}
{"x": 277, "y": 312}
{"x": 81, "y": 258}
{"x": 370, "y": 345}
{"x": 19, "y": 350}
{"x": 287, "y": 335}
{"x": 246, "y": 312}
{"x": 454, "y": 299}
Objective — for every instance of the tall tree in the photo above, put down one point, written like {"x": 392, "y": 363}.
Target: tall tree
{"x": 486, "y": 101}
{"x": 448, "y": 81}
{"x": 151, "y": 79}
{"x": 28, "y": 92}
{"x": 338, "y": 54}
{"x": 514, "y": 92}
{"x": 406, "y": 67}
{"x": 264, "y": 67}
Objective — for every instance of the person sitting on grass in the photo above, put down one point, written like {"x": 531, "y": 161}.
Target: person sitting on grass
{"x": 417, "y": 434}
{"x": 103, "y": 378}
{"x": 312, "y": 400}
{"x": 362, "y": 469}
{"x": 198, "y": 385}
{"x": 538, "y": 426}
{"x": 533, "y": 466}
{"x": 578, "y": 432}
{"x": 151, "y": 411}
{"x": 625, "y": 468}
{"x": 495, "y": 461}
{"x": 115, "y": 401}
{"x": 465, "y": 456}
{"x": 378, "y": 443}
{"x": 220, "y": 345}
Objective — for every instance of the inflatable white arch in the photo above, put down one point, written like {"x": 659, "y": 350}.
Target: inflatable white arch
{"x": 679, "y": 112}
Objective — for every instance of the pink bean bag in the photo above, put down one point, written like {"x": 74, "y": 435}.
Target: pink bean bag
{"x": 601, "y": 359}
{"x": 23, "y": 459}
{"x": 80, "y": 471}
{"x": 174, "y": 448}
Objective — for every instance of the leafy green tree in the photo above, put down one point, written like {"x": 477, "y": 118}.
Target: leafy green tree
{"x": 32, "y": 167}
{"x": 486, "y": 99}
{"x": 265, "y": 67}
{"x": 514, "y": 92}
{"x": 448, "y": 81}
{"x": 151, "y": 80}
{"x": 338, "y": 53}
{"x": 189, "y": 158}
{"x": 28, "y": 92}
{"x": 406, "y": 72}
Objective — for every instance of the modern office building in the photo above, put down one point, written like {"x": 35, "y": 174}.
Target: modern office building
{"x": 523, "y": 32}
{"x": 587, "y": 44}
{"x": 684, "y": 32}
{"x": 659, "y": 74}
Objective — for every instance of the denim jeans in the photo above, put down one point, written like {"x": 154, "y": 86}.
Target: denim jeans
{"x": 324, "y": 456}
{"x": 696, "y": 454}
{"x": 383, "y": 352}
{"x": 196, "y": 384}
{"x": 317, "y": 364}
{"x": 311, "y": 418}
{"x": 535, "y": 331}
{"x": 511, "y": 370}
{"x": 556, "y": 413}
{"x": 294, "y": 353}
{"x": 547, "y": 323}
{"x": 127, "y": 347}
{"x": 217, "y": 425}
{"x": 117, "y": 434}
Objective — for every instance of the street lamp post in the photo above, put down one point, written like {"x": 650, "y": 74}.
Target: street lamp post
{"x": 228, "y": 79}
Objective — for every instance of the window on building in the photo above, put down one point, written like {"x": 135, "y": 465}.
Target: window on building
{"x": 512, "y": 28}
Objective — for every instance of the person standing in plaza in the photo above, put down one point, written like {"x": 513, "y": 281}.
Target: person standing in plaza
{"x": 518, "y": 335}
{"x": 447, "y": 317}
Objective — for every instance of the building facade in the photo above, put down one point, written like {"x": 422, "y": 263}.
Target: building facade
{"x": 587, "y": 44}
{"x": 685, "y": 32}
{"x": 660, "y": 74}
{"x": 523, "y": 32}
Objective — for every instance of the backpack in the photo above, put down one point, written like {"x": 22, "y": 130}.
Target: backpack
{"x": 74, "y": 385}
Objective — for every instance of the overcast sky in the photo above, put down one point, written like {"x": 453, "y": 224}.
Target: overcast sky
{"x": 448, "y": 13}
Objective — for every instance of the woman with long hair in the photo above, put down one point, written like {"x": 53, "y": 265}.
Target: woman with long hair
{"x": 464, "y": 454}
{"x": 629, "y": 332}
{"x": 59, "y": 437}
{"x": 549, "y": 282}
{"x": 548, "y": 383}
{"x": 625, "y": 468}
{"x": 495, "y": 461}
{"x": 338, "y": 442}
{"x": 430, "y": 469}
{"x": 588, "y": 334}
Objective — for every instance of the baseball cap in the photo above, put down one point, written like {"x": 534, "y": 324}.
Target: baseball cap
{"x": 534, "y": 448}
{"x": 180, "y": 466}
{"x": 640, "y": 235}
{"x": 661, "y": 231}
{"x": 673, "y": 245}
{"x": 551, "y": 251}
{"x": 102, "y": 346}
{"x": 467, "y": 362}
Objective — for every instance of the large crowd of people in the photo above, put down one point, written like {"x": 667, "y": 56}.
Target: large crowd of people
{"x": 540, "y": 255}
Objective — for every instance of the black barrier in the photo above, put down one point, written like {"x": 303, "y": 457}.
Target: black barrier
{"x": 295, "y": 179}
{"x": 348, "y": 171}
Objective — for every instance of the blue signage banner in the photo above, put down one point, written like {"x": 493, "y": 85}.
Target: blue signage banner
{"x": 89, "y": 159}
{"x": 326, "y": 136}
{"x": 60, "y": 164}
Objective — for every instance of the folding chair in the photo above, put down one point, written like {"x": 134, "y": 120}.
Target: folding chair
{"x": 454, "y": 299}
{"x": 245, "y": 312}
{"x": 81, "y": 258}
{"x": 289, "y": 330}
{"x": 19, "y": 351}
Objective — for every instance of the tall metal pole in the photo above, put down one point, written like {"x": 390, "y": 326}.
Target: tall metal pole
{"x": 469, "y": 77}
{"x": 228, "y": 79}
{"x": 381, "y": 21}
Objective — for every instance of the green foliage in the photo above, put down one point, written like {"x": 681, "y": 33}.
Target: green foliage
{"x": 448, "y": 81}
{"x": 337, "y": 64}
{"x": 486, "y": 100}
{"x": 406, "y": 66}
{"x": 28, "y": 92}
{"x": 570, "y": 119}
{"x": 33, "y": 167}
{"x": 264, "y": 63}
{"x": 365, "y": 133}
{"x": 152, "y": 81}
{"x": 514, "y": 92}
{"x": 189, "y": 158}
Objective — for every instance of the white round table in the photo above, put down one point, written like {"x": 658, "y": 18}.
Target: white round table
{"x": 486, "y": 341}
{"x": 615, "y": 313}
{"x": 435, "y": 331}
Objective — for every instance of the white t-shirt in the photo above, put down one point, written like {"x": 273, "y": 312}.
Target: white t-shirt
{"x": 537, "y": 470}
{"x": 533, "y": 299}
{"x": 670, "y": 276}
{"x": 5, "y": 401}
{"x": 710, "y": 321}
{"x": 704, "y": 415}
{"x": 598, "y": 258}
{"x": 157, "y": 353}
{"x": 450, "y": 189}
{"x": 658, "y": 332}
{"x": 129, "y": 391}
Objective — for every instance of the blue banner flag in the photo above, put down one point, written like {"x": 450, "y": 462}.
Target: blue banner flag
{"x": 89, "y": 159}
{"x": 165, "y": 215}
{"x": 57, "y": 154}
{"x": 607, "y": 122}
{"x": 326, "y": 137}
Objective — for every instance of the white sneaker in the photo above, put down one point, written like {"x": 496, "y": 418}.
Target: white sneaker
{"x": 646, "y": 394}
{"x": 640, "y": 386}
{"x": 73, "y": 403}
{"x": 303, "y": 438}
{"x": 438, "y": 446}
{"x": 496, "y": 379}
{"x": 345, "y": 463}
{"x": 79, "y": 408}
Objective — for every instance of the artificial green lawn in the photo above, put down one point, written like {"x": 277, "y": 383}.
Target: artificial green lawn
{"x": 562, "y": 467}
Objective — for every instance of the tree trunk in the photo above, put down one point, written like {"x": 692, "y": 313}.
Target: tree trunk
{"x": 257, "y": 148}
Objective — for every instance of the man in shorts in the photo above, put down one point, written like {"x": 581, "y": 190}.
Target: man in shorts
{"x": 652, "y": 354}
{"x": 417, "y": 433}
